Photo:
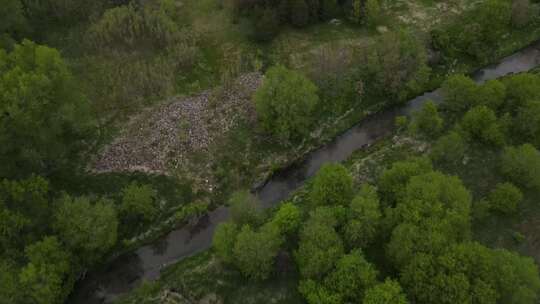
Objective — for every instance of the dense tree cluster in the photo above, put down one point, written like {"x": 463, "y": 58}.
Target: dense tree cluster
{"x": 476, "y": 33}
{"x": 423, "y": 218}
{"x": 268, "y": 15}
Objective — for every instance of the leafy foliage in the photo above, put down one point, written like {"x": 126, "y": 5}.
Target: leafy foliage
{"x": 333, "y": 185}
{"x": 286, "y": 103}
{"x": 46, "y": 121}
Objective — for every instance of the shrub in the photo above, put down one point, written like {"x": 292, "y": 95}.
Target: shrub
{"x": 333, "y": 185}
{"x": 505, "y": 198}
{"x": 139, "y": 202}
{"x": 522, "y": 166}
{"x": 427, "y": 121}
{"x": 448, "y": 150}
{"x": 480, "y": 123}
{"x": 286, "y": 104}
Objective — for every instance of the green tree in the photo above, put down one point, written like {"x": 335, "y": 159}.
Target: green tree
{"x": 522, "y": 166}
{"x": 364, "y": 218}
{"x": 352, "y": 277}
{"x": 245, "y": 208}
{"x": 396, "y": 66}
{"x": 286, "y": 104}
{"x": 521, "y": 89}
{"x": 427, "y": 121}
{"x": 46, "y": 121}
{"x": 448, "y": 150}
{"x": 26, "y": 202}
{"x": 389, "y": 292}
{"x": 288, "y": 218}
{"x": 433, "y": 213}
{"x": 333, "y": 185}
{"x": 89, "y": 230}
{"x": 471, "y": 273}
{"x": 505, "y": 198}
{"x": 319, "y": 249}
{"x": 255, "y": 252}
{"x": 526, "y": 124}
{"x": 139, "y": 202}
{"x": 316, "y": 293}
{"x": 460, "y": 93}
{"x": 44, "y": 276}
{"x": 491, "y": 94}
{"x": 224, "y": 240}
{"x": 481, "y": 124}
{"x": 393, "y": 181}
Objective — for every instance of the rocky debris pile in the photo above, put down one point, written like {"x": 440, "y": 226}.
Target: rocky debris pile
{"x": 183, "y": 125}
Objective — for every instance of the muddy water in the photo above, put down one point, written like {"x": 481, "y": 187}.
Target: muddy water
{"x": 145, "y": 263}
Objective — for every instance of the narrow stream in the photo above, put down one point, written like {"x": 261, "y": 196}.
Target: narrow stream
{"x": 145, "y": 263}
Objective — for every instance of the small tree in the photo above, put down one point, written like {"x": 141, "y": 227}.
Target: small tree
{"x": 389, "y": 292}
{"x": 522, "y": 166}
{"x": 245, "y": 208}
{"x": 286, "y": 104}
{"x": 288, "y": 218}
{"x": 139, "y": 202}
{"x": 352, "y": 276}
{"x": 44, "y": 276}
{"x": 329, "y": 9}
{"x": 255, "y": 252}
{"x": 448, "y": 150}
{"x": 224, "y": 240}
{"x": 88, "y": 230}
{"x": 427, "y": 121}
{"x": 333, "y": 185}
{"x": 365, "y": 218}
{"x": 480, "y": 123}
{"x": 460, "y": 93}
{"x": 319, "y": 248}
{"x": 356, "y": 13}
{"x": 393, "y": 181}
{"x": 505, "y": 198}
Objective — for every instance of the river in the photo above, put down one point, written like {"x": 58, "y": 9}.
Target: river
{"x": 127, "y": 271}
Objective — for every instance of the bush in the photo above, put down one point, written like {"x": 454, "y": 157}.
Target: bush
{"x": 522, "y": 166}
{"x": 364, "y": 218}
{"x": 245, "y": 208}
{"x": 255, "y": 252}
{"x": 139, "y": 202}
{"x": 505, "y": 198}
{"x": 223, "y": 241}
{"x": 288, "y": 218}
{"x": 333, "y": 185}
{"x": 389, "y": 292}
{"x": 286, "y": 104}
{"x": 481, "y": 124}
{"x": 460, "y": 94}
{"x": 448, "y": 150}
{"x": 46, "y": 121}
{"x": 427, "y": 121}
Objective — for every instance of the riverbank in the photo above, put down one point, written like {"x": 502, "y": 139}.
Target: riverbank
{"x": 204, "y": 279}
{"x": 185, "y": 242}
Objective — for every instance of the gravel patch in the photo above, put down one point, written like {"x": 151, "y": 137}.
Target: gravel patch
{"x": 151, "y": 140}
